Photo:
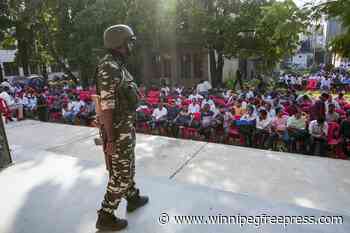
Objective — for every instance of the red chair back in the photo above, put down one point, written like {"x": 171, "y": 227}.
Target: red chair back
{"x": 333, "y": 132}
{"x": 197, "y": 116}
{"x": 4, "y": 109}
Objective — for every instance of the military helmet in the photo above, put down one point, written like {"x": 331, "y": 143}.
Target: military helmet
{"x": 117, "y": 35}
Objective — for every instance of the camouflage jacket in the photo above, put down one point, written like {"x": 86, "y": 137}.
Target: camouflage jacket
{"x": 118, "y": 90}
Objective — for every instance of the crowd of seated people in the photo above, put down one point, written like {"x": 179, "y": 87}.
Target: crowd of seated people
{"x": 60, "y": 104}
{"x": 284, "y": 121}
{"x": 331, "y": 80}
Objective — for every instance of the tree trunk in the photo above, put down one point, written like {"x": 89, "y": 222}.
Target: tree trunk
{"x": 216, "y": 62}
{"x": 220, "y": 69}
{"x": 212, "y": 67}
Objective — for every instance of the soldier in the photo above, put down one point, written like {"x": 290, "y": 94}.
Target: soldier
{"x": 119, "y": 97}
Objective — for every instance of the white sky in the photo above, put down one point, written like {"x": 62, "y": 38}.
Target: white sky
{"x": 300, "y": 3}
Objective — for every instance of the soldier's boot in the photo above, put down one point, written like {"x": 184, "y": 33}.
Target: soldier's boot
{"x": 109, "y": 222}
{"x": 136, "y": 202}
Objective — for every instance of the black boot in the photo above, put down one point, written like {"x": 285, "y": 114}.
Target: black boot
{"x": 109, "y": 222}
{"x": 136, "y": 202}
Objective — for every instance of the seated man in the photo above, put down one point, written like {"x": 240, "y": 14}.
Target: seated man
{"x": 278, "y": 127}
{"x": 345, "y": 133}
{"x": 10, "y": 101}
{"x": 142, "y": 112}
{"x": 206, "y": 121}
{"x": 173, "y": 111}
{"x": 318, "y": 130}
{"x": 68, "y": 113}
{"x": 247, "y": 125}
{"x": 263, "y": 124}
{"x": 296, "y": 126}
{"x": 159, "y": 117}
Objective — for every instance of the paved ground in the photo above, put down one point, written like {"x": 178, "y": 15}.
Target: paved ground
{"x": 47, "y": 190}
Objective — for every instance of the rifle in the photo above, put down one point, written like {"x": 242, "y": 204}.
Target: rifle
{"x": 102, "y": 140}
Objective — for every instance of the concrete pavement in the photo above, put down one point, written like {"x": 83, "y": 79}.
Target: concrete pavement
{"x": 48, "y": 187}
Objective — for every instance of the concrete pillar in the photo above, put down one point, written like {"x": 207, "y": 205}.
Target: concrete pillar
{"x": 48, "y": 67}
{"x": 2, "y": 74}
{"x": 21, "y": 71}
{"x": 209, "y": 74}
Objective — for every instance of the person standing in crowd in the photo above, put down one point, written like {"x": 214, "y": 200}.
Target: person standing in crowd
{"x": 202, "y": 88}
{"x": 332, "y": 115}
{"x": 318, "y": 110}
{"x": 238, "y": 80}
{"x": 318, "y": 130}
{"x": 345, "y": 134}
{"x": 42, "y": 107}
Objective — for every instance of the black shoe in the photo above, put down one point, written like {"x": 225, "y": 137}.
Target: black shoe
{"x": 109, "y": 222}
{"x": 136, "y": 202}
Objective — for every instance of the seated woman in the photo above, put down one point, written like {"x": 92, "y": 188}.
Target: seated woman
{"x": 278, "y": 127}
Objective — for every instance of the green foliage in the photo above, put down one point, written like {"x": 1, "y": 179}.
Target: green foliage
{"x": 70, "y": 31}
{"x": 337, "y": 9}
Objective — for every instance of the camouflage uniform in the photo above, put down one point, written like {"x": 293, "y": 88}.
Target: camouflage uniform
{"x": 119, "y": 92}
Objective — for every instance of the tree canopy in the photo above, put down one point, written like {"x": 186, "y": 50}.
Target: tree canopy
{"x": 69, "y": 32}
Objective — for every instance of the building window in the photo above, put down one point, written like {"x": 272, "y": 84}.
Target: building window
{"x": 156, "y": 66}
{"x": 34, "y": 69}
{"x": 186, "y": 66}
{"x": 198, "y": 60}
{"x": 55, "y": 68}
{"x": 167, "y": 67}
{"x": 10, "y": 68}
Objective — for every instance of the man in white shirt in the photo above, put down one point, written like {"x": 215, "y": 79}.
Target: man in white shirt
{"x": 159, "y": 116}
{"x": 5, "y": 96}
{"x": 263, "y": 124}
{"x": 318, "y": 130}
{"x": 77, "y": 105}
{"x": 194, "y": 95}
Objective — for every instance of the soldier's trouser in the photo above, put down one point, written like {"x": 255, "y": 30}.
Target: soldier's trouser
{"x": 121, "y": 175}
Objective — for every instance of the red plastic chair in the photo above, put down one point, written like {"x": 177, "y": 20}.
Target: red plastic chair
{"x": 333, "y": 133}
{"x": 4, "y": 109}
{"x": 56, "y": 116}
{"x": 237, "y": 117}
{"x": 197, "y": 116}
{"x": 144, "y": 127}
{"x": 341, "y": 112}
{"x": 346, "y": 107}
{"x": 311, "y": 85}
